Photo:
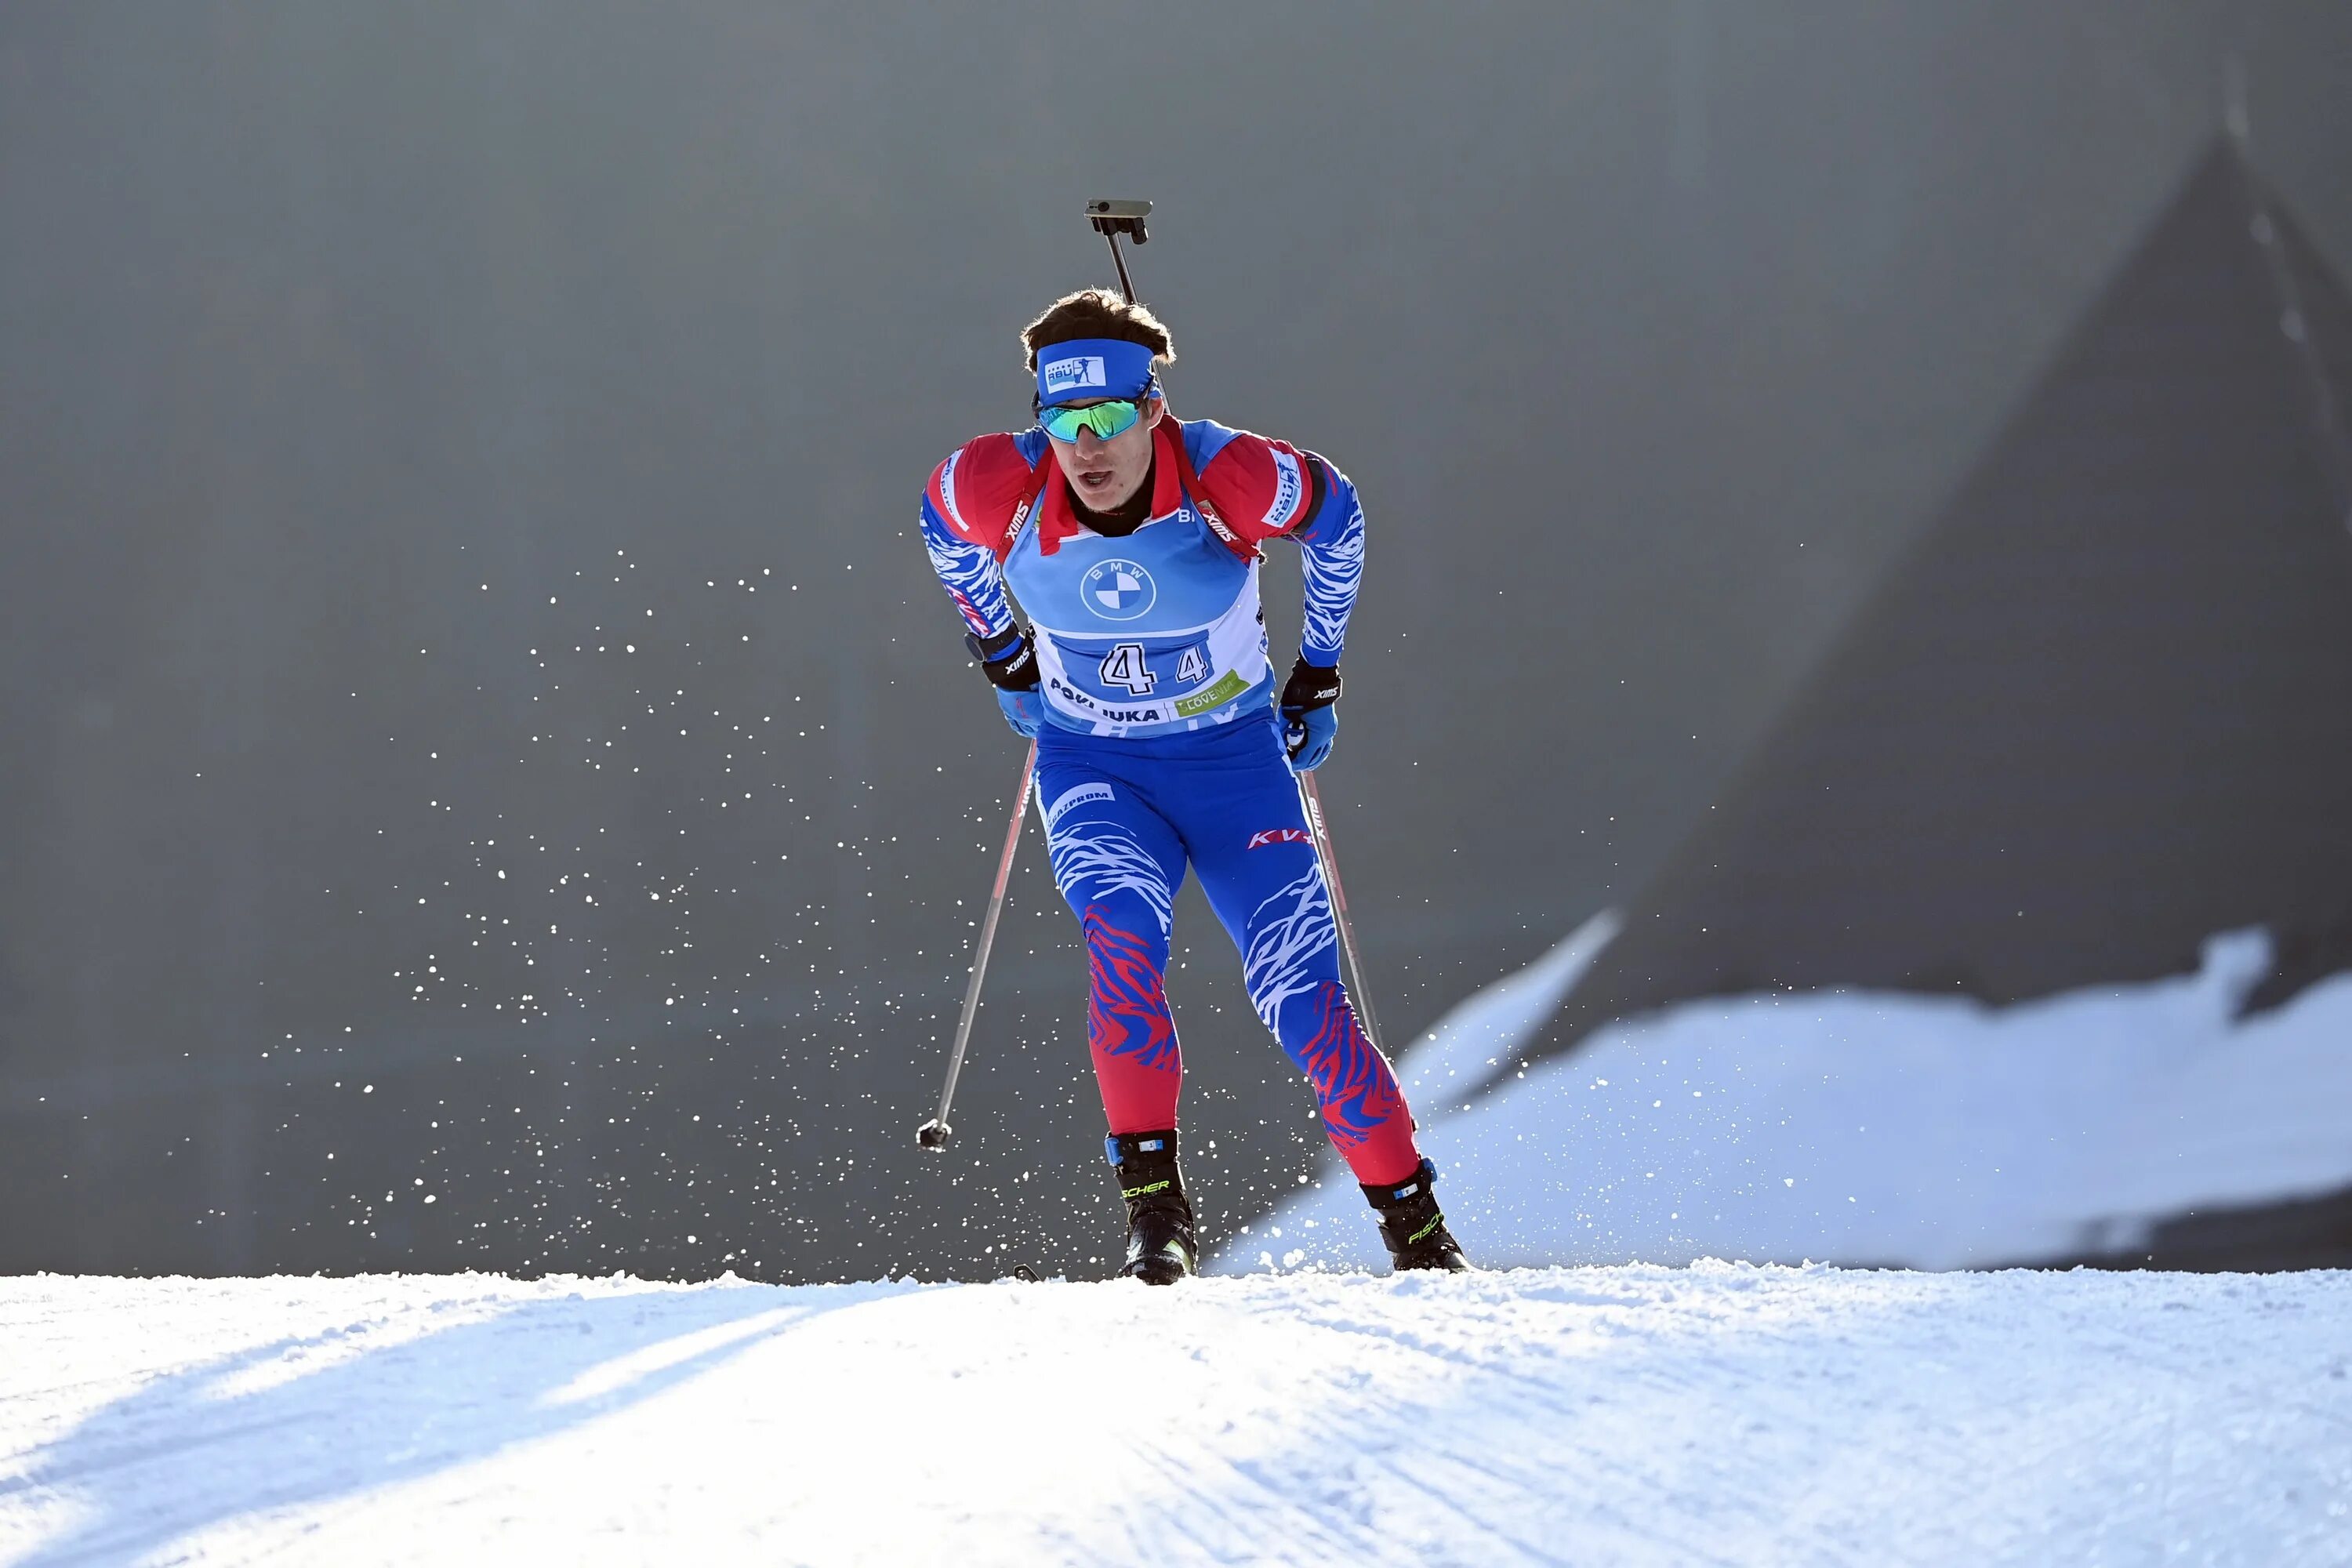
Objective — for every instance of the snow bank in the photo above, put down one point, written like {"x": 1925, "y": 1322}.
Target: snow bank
{"x": 1867, "y": 1127}
{"x": 1725, "y": 1414}
{"x": 1464, "y": 1048}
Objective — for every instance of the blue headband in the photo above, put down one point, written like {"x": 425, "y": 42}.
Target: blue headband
{"x": 1088, "y": 368}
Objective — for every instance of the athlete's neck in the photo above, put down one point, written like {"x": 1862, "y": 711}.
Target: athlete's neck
{"x": 1126, "y": 516}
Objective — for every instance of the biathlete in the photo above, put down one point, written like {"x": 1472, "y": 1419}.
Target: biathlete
{"x": 1143, "y": 676}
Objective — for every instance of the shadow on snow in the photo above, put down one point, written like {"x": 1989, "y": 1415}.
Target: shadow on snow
{"x": 195, "y": 1450}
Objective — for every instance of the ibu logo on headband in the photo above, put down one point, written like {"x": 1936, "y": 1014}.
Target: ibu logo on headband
{"x": 1089, "y": 368}
{"x": 1070, "y": 375}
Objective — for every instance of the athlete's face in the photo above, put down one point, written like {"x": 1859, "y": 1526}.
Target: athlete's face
{"x": 1104, "y": 475}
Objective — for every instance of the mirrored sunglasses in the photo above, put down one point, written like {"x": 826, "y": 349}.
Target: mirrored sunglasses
{"x": 1105, "y": 419}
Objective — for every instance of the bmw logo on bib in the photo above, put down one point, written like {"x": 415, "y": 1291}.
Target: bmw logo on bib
{"x": 1118, "y": 590}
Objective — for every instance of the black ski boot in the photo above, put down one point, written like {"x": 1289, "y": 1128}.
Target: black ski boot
{"x": 1412, "y": 1226}
{"x": 1160, "y": 1246}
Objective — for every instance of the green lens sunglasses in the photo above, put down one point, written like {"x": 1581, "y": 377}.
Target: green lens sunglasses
{"x": 1105, "y": 419}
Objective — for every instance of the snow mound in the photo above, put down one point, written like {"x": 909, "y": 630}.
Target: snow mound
{"x": 1466, "y": 1047}
{"x": 1873, "y": 1128}
{"x": 1722, "y": 1413}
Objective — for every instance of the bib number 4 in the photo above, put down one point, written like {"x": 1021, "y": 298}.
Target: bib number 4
{"x": 1124, "y": 666}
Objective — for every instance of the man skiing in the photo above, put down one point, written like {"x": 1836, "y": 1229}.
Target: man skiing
{"x": 1143, "y": 678}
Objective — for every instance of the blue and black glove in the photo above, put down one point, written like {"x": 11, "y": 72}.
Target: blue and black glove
{"x": 1010, "y": 665}
{"x": 1310, "y": 722}
{"x": 1025, "y": 711}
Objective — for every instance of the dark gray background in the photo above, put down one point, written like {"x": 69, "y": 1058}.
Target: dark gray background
{"x": 367, "y": 374}
{"x": 2102, "y": 708}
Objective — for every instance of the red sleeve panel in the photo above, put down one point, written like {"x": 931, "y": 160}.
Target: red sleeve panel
{"x": 976, "y": 491}
{"x": 1264, "y": 487}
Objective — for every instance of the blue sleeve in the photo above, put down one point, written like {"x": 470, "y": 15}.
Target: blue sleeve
{"x": 1332, "y": 545}
{"x": 971, "y": 574}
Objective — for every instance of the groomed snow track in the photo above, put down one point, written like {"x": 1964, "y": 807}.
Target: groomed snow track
{"x": 1719, "y": 1414}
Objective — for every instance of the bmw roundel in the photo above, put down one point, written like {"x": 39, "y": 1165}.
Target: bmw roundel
{"x": 1117, "y": 590}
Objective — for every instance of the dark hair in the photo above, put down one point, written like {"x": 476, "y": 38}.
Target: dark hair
{"x": 1097, "y": 314}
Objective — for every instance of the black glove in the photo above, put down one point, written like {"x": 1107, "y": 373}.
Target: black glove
{"x": 1007, "y": 659}
{"x": 1310, "y": 721}
{"x": 1010, "y": 662}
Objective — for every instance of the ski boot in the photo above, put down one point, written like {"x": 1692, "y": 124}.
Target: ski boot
{"x": 1161, "y": 1248}
{"x": 1412, "y": 1226}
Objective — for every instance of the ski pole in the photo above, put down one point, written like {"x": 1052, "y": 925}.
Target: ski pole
{"x": 1312, "y": 799}
{"x": 933, "y": 1135}
{"x": 1110, "y": 218}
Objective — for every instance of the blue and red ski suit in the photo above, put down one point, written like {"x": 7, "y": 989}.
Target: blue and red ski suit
{"x": 1161, "y": 747}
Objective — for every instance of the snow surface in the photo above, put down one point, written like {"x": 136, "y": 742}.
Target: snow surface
{"x": 1720, "y": 1415}
{"x": 1859, "y": 1127}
